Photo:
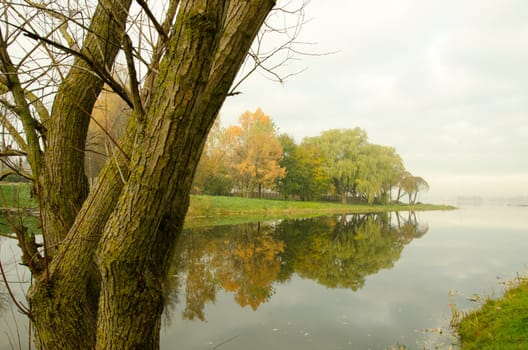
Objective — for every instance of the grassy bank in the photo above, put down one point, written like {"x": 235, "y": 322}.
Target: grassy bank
{"x": 218, "y": 206}
{"x": 235, "y": 209}
{"x": 16, "y": 195}
{"x": 498, "y": 324}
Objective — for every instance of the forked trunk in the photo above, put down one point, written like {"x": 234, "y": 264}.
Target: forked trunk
{"x": 130, "y": 221}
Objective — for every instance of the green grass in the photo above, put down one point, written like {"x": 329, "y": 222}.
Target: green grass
{"x": 498, "y": 324}
{"x": 215, "y": 210}
{"x": 219, "y": 207}
{"x": 16, "y": 195}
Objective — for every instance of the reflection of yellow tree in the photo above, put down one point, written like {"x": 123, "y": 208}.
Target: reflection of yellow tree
{"x": 338, "y": 252}
{"x": 199, "y": 290}
{"x": 192, "y": 266}
{"x": 246, "y": 263}
{"x": 410, "y": 228}
{"x": 251, "y": 267}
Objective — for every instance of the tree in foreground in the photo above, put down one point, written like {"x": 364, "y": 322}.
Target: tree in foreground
{"x": 99, "y": 273}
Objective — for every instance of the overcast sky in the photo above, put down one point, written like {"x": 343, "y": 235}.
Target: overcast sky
{"x": 444, "y": 82}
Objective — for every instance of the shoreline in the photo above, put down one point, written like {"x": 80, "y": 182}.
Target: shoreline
{"x": 217, "y": 210}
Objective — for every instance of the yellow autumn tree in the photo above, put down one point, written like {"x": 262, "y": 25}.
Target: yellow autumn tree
{"x": 213, "y": 172}
{"x": 256, "y": 153}
{"x": 107, "y": 123}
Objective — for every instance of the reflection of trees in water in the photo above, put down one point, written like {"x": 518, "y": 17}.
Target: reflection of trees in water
{"x": 338, "y": 252}
{"x": 8, "y": 266}
{"x": 242, "y": 259}
{"x": 251, "y": 265}
{"x": 409, "y": 226}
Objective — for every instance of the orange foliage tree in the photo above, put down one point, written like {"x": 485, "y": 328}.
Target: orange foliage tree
{"x": 256, "y": 152}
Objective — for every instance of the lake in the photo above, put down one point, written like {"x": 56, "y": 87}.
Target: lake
{"x": 341, "y": 282}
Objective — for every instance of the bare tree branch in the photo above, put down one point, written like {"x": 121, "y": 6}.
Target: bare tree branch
{"x": 134, "y": 86}
{"x": 271, "y": 59}
{"x": 12, "y": 171}
{"x": 23, "y": 109}
{"x": 157, "y": 53}
{"x": 63, "y": 27}
{"x": 22, "y": 308}
{"x": 9, "y": 152}
{"x": 101, "y": 71}
{"x": 161, "y": 31}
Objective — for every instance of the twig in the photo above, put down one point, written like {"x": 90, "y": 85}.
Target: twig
{"x": 23, "y": 309}
{"x": 150, "y": 15}
{"x": 101, "y": 72}
{"x": 225, "y": 342}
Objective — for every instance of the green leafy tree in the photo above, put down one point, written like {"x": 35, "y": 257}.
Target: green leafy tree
{"x": 341, "y": 149}
{"x": 291, "y": 184}
{"x": 411, "y": 185}
{"x": 305, "y": 178}
{"x": 378, "y": 169}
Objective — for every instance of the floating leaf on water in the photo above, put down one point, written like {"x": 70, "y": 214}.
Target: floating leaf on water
{"x": 474, "y": 298}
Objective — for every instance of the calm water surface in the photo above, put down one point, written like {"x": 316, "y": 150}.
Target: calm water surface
{"x": 344, "y": 282}
{"x": 366, "y": 282}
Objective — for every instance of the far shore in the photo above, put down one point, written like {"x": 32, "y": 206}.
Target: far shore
{"x": 204, "y": 210}
{"x": 216, "y": 210}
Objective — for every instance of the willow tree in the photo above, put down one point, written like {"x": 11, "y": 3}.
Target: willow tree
{"x": 99, "y": 272}
{"x": 341, "y": 151}
{"x": 411, "y": 185}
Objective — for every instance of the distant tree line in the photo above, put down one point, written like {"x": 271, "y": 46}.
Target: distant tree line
{"x": 252, "y": 158}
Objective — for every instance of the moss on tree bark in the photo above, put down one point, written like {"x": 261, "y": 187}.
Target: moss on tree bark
{"x": 110, "y": 249}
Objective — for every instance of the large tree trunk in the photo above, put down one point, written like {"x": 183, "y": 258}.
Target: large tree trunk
{"x": 130, "y": 221}
{"x": 63, "y": 184}
{"x": 64, "y": 299}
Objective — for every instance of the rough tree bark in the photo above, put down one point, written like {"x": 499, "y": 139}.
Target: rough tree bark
{"x": 64, "y": 185}
{"x": 107, "y": 252}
